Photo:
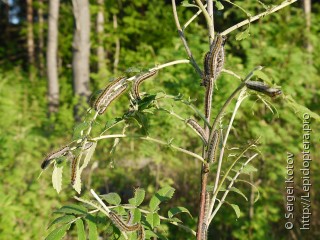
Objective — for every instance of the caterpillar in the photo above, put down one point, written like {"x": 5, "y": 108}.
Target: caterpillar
{"x": 208, "y": 99}
{"x": 206, "y": 206}
{"x": 198, "y": 129}
{"x": 141, "y": 234}
{"x": 204, "y": 230}
{"x": 121, "y": 225}
{"x": 138, "y": 81}
{"x": 107, "y": 91}
{"x": 64, "y": 151}
{"x": 213, "y": 146}
{"x": 107, "y": 101}
{"x": 263, "y": 88}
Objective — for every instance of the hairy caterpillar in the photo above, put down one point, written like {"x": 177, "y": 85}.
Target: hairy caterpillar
{"x": 213, "y": 146}
{"x": 198, "y": 129}
{"x": 121, "y": 225}
{"x": 263, "y": 88}
{"x": 208, "y": 99}
{"x": 74, "y": 169}
{"x": 206, "y": 206}
{"x": 141, "y": 234}
{"x": 138, "y": 81}
{"x": 107, "y": 101}
{"x": 64, "y": 151}
{"x": 204, "y": 230}
{"x": 214, "y": 60}
{"x": 107, "y": 91}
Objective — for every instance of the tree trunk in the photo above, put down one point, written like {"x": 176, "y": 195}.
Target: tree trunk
{"x": 41, "y": 38}
{"x": 81, "y": 47}
{"x": 30, "y": 40}
{"x": 52, "y": 48}
{"x": 100, "y": 28}
{"x": 117, "y": 53}
{"x": 307, "y": 12}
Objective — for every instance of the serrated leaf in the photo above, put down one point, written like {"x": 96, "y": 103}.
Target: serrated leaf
{"x": 58, "y": 233}
{"x": 236, "y": 209}
{"x": 138, "y": 198}
{"x": 164, "y": 194}
{"x": 119, "y": 210}
{"x": 112, "y": 198}
{"x": 219, "y": 5}
{"x": 153, "y": 219}
{"x": 57, "y": 178}
{"x": 93, "y": 231}
{"x": 174, "y": 219}
{"x": 248, "y": 169}
{"x": 62, "y": 219}
{"x": 72, "y": 209}
{"x": 233, "y": 189}
{"x": 254, "y": 186}
{"x": 243, "y": 35}
{"x": 80, "y": 230}
{"x": 176, "y": 210}
{"x": 89, "y": 154}
{"x": 298, "y": 108}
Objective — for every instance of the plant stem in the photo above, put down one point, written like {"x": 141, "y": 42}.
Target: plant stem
{"x": 192, "y": 18}
{"x": 252, "y": 19}
{"x": 183, "y": 39}
{"x": 207, "y": 17}
{"x": 151, "y": 140}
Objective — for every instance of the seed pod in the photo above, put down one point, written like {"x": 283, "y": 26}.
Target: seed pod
{"x": 213, "y": 146}
{"x": 64, "y": 151}
{"x": 198, "y": 129}
{"x": 263, "y": 88}
{"x": 139, "y": 80}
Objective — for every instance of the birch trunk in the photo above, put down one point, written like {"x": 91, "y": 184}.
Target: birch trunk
{"x": 30, "y": 39}
{"x": 100, "y": 28}
{"x": 41, "y": 38}
{"x": 52, "y": 48}
{"x": 81, "y": 47}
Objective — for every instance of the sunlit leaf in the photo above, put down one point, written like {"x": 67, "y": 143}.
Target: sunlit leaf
{"x": 112, "y": 198}
{"x": 153, "y": 219}
{"x": 80, "y": 230}
{"x": 138, "y": 198}
{"x": 57, "y": 178}
{"x": 176, "y": 210}
{"x": 164, "y": 194}
{"x": 58, "y": 233}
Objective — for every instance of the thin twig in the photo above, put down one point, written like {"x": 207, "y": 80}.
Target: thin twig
{"x": 207, "y": 17}
{"x": 151, "y": 140}
{"x": 183, "y": 39}
{"x": 192, "y": 18}
{"x": 252, "y": 19}
{"x": 229, "y": 187}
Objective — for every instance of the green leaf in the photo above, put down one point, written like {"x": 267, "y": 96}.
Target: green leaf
{"x": 153, "y": 219}
{"x": 164, "y": 194}
{"x": 248, "y": 169}
{"x": 186, "y": 3}
{"x": 176, "y": 210}
{"x": 112, "y": 198}
{"x": 57, "y": 178}
{"x": 93, "y": 231}
{"x": 78, "y": 130}
{"x": 254, "y": 186}
{"x": 136, "y": 215}
{"x": 72, "y": 209}
{"x": 80, "y": 230}
{"x": 58, "y": 233}
{"x": 62, "y": 219}
{"x": 300, "y": 109}
{"x": 219, "y": 5}
{"x": 262, "y": 76}
{"x": 138, "y": 198}
{"x": 233, "y": 189}
{"x": 243, "y": 35}
{"x": 236, "y": 209}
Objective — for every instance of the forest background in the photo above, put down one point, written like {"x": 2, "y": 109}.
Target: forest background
{"x": 43, "y": 89}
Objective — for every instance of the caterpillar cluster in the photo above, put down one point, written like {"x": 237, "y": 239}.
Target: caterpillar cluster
{"x": 213, "y": 146}
{"x": 214, "y": 60}
{"x": 110, "y": 93}
{"x": 198, "y": 129}
{"x": 138, "y": 81}
{"x": 263, "y": 88}
{"x": 120, "y": 224}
